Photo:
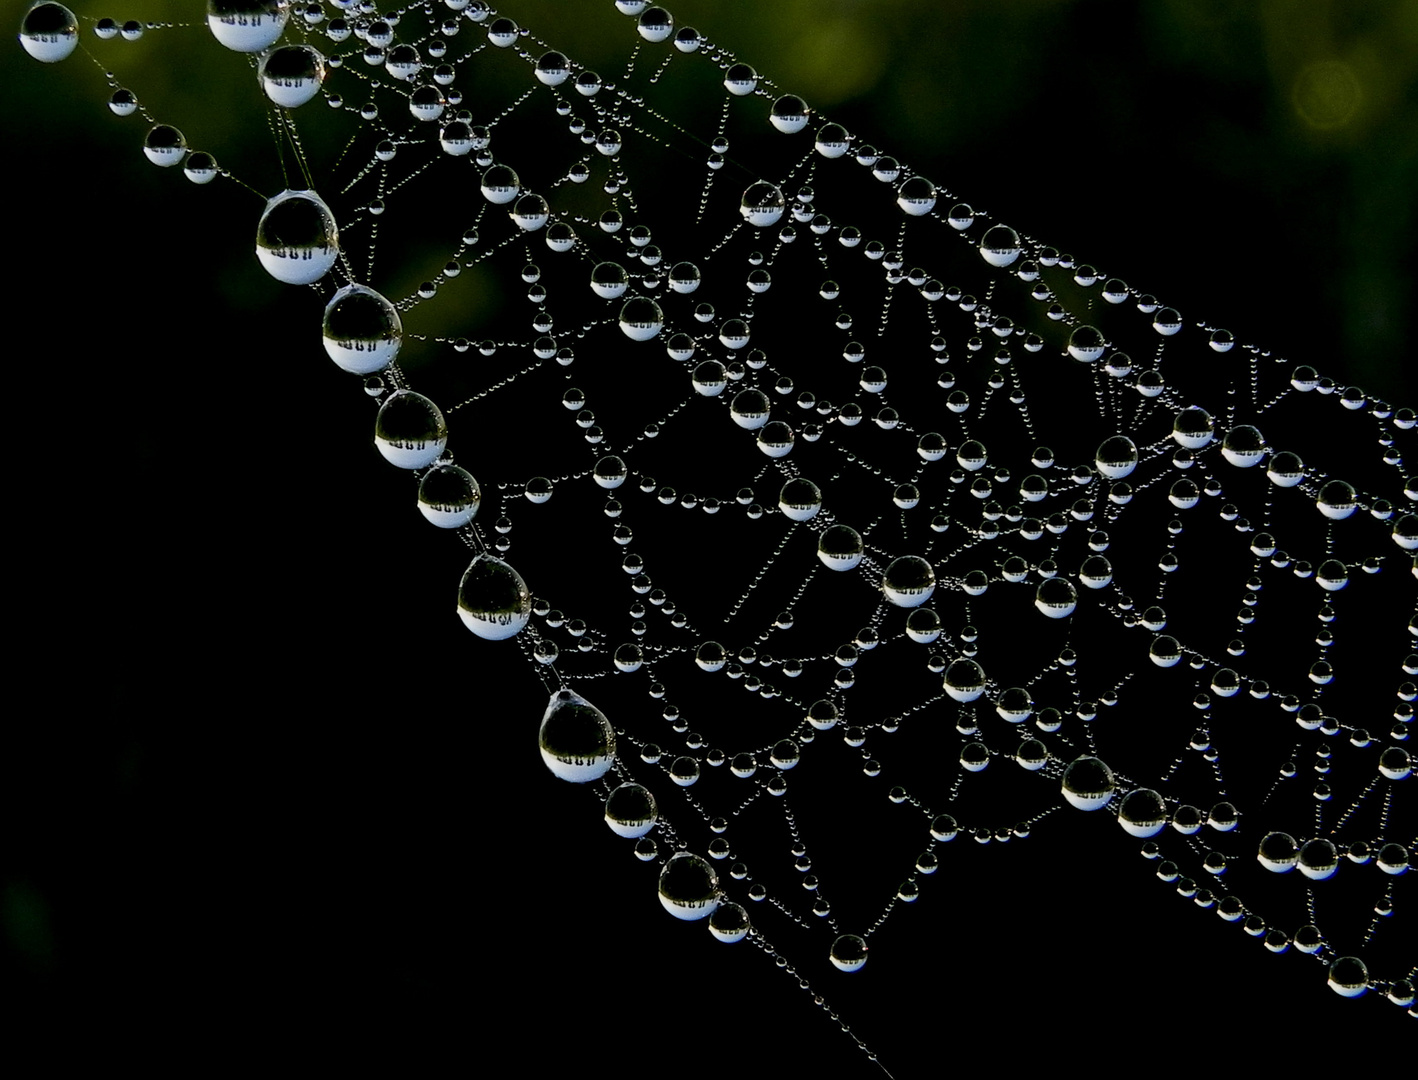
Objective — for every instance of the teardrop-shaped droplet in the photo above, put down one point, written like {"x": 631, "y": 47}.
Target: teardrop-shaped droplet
{"x": 577, "y": 741}
{"x": 493, "y": 600}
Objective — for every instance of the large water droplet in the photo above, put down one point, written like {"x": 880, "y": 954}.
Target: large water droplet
{"x": 362, "y": 330}
{"x": 763, "y": 204}
{"x": 577, "y": 741}
{"x": 409, "y": 430}
{"x": 840, "y": 548}
{"x": 1088, "y": 783}
{"x": 449, "y": 497}
{"x": 909, "y": 581}
{"x": 247, "y": 25}
{"x": 49, "y": 32}
{"x": 631, "y": 811}
{"x": 493, "y": 600}
{"x": 292, "y": 75}
{"x": 297, "y": 240}
{"x": 689, "y": 888}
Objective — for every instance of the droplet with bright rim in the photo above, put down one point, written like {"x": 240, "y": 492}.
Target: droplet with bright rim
{"x": 1318, "y": 859}
{"x": 1142, "y": 813}
{"x": 789, "y": 114}
{"x": 729, "y": 923}
{"x": 909, "y": 581}
{"x": 1056, "y": 597}
{"x": 840, "y": 548}
{"x": 849, "y": 953}
{"x": 1193, "y": 428}
{"x": 449, "y": 497}
{"x": 1116, "y": 457}
{"x": 763, "y": 204}
{"x": 292, "y": 75}
{"x": 689, "y": 888}
{"x": 631, "y": 811}
{"x": 916, "y": 196}
{"x": 1243, "y": 446}
{"x": 577, "y": 741}
{"x": 49, "y": 32}
{"x": 164, "y": 145}
{"x": 297, "y": 240}
{"x": 1337, "y": 500}
{"x": 1348, "y": 977}
{"x": 1000, "y": 245}
{"x": 362, "y": 330}
{"x": 1086, "y": 343}
{"x": 964, "y": 681}
{"x": 493, "y": 600}
{"x": 800, "y": 499}
{"x": 641, "y": 318}
{"x": 1088, "y": 783}
{"x": 410, "y": 431}
{"x": 247, "y": 25}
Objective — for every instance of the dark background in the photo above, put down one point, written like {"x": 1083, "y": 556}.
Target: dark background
{"x": 257, "y": 772}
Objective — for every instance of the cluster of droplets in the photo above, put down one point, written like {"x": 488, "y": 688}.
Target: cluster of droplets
{"x": 894, "y": 498}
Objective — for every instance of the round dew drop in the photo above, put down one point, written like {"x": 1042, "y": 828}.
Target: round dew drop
{"x": 164, "y": 145}
{"x": 763, "y": 204}
{"x": 631, "y": 811}
{"x": 1088, "y": 783}
{"x": 576, "y": 739}
{"x": 292, "y": 75}
{"x": 840, "y": 548}
{"x": 362, "y": 330}
{"x": 410, "y": 431}
{"x": 1000, "y": 245}
{"x": 849, "y": 953}
{"x": 449, "y": 497}
{"x": 641, "y": 318}
{"x": 689, "y": 888}
{"x": 297, "y": 240}
{"x": 909, "y": 581}
{"x": 493, "y": 600}
{"x": 49, "y": 32}
{"x": 247, "y": 25}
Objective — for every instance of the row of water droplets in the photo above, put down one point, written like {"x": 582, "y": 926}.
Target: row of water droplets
{"x": 923, "y": 546}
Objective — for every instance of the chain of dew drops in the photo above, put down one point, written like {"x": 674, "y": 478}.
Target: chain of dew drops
{"x": 1045, "y": 544}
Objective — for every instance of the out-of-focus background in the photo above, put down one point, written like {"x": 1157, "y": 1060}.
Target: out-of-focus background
{"x": 250, "y": 768}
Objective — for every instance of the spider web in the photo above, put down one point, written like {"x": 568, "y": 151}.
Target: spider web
{"x": 704, "y": 561}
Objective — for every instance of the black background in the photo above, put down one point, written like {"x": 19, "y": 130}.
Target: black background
{"x": 258, "y": 776}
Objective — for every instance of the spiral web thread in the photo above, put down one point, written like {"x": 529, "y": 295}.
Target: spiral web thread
{"x": 1060, "y": 525}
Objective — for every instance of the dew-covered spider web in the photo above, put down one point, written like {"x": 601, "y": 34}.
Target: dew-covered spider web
{"x": 841, "y": 536}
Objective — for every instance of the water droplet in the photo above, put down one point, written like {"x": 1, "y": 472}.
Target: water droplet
{"x": 849, "y": 953}
{"x": 449, "y": 497}
{"x": 297, "y": 240}
{"x": 631, "y": 811}
{"x": 1088, "y": 783}
{"x": 247, "y": 25}
{"x": 49, "y": 32}
{"x": 763, "y": 204}
{"x": 840, "y": 548}
{"x": 362, "y": 330}
{"x": 292, "y": 75}
{"x": 409, "y": 430}
{"x": 689, "y": 888}
{"x": 577, "y": 741}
